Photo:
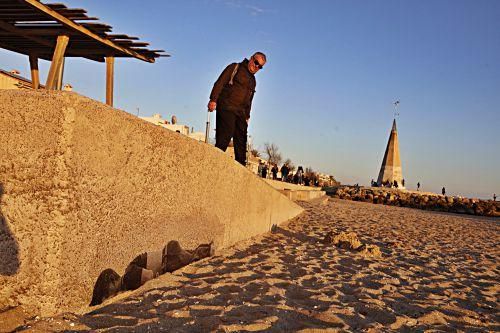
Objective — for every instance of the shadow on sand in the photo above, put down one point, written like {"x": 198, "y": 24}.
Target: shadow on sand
{"x": 9, "y": 249}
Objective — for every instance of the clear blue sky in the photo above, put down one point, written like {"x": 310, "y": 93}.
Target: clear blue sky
{"x": 334, "y": 69}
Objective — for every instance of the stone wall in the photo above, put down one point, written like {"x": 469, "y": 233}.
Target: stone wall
{"x": 426, "y": 201}
{"x": 84, "y": 187}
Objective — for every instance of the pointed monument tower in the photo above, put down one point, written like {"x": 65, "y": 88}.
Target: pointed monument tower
{"x": 391, "y": 165}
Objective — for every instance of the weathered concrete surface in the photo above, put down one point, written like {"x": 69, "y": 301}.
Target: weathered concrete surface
{"x": 296, "y": 195}
{"x": 296, "y": 192}
{"x": 279, "y": 185}
{"x": 86, "y": 187}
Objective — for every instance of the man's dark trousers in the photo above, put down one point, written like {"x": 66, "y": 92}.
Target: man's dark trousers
{"x": 230, "y": 125}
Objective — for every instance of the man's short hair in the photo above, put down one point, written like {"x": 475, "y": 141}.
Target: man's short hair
{"x": 261, "y": 54}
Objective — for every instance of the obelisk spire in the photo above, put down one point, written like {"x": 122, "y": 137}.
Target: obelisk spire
{"x": 390, "y": 170}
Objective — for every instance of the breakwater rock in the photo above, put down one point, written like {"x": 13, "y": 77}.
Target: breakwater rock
{"x": 426, "y": 201}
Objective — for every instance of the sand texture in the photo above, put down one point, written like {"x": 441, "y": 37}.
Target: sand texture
{"x": 436, "y": 272}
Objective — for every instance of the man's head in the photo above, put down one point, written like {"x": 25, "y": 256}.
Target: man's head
{"x": 256, "y": 62}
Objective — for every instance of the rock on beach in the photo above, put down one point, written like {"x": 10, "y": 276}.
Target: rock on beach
{"x": 425, "y": 201}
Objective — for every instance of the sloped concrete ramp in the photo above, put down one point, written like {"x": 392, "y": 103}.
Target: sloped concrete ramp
{"x": 84, "y": 187}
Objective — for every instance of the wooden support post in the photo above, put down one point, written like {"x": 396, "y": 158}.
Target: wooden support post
{"x": 110, "y": 73}
{"x": 35, "y": 77}
{"x": 60, "y": 75}
{"x": 57, "y": 59}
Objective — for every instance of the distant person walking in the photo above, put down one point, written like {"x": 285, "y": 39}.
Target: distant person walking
{"x": 443, "y": 190}
{"x": 232, "y": 97}
{"x": 403, "y": 183}
{"x": 494, "y": 197}
{"x": 300, "y": 175}
{"x": 264, "y": 171}
{"x": 284, "y": 172}
{"x": 259, "y": 169}
{"x": 418, "y": 186}
{"x": 274, "y": 171}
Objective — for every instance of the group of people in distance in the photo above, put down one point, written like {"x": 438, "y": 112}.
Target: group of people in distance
{"x": 299, "y": 177}
{"x": 387, "y": 183}
{"x": 147, "y": 266}
{"x": 396, "y": 185}
{"x": 263, "y": 170}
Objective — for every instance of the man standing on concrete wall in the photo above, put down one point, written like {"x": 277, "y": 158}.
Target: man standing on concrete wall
{"x": 232, "y": 96}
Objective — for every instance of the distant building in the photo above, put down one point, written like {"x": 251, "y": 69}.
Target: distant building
{"x": 327, "y": 180}
{"x": 182, "y": 129}
{"x": 198, "y": 136}
{"x": 13, "y": 80}
{"x": 252, "y": 161}
{"x": 390, "y": 170}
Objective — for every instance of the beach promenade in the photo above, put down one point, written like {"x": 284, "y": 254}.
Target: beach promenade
{"x": 437, "y": 271}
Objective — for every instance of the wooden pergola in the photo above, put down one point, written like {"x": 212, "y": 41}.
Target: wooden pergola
{"x": 53, "y": 32}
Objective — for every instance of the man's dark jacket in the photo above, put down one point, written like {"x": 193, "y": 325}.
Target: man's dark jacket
{"x": 237, "y": 97}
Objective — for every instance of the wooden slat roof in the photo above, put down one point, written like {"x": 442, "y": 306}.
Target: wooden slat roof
{"x": 31, "y": 27}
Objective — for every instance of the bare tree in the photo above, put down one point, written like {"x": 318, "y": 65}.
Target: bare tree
{"x": 333, "y": 181}
{"x": 273, "y": 154}
{"x": 255, "y": 152}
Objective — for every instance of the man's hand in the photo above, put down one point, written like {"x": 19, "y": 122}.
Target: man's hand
{"x": 211, "y": 106}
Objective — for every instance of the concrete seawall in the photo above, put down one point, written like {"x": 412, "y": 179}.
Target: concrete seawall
{"x": 84, "y": 187}
{"x": 296, "y": 192}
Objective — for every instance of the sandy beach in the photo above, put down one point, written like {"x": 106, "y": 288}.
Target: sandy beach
{"x": 437, "y": 272}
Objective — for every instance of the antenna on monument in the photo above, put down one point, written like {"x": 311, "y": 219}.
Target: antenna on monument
{"x": 396, "y": 113}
